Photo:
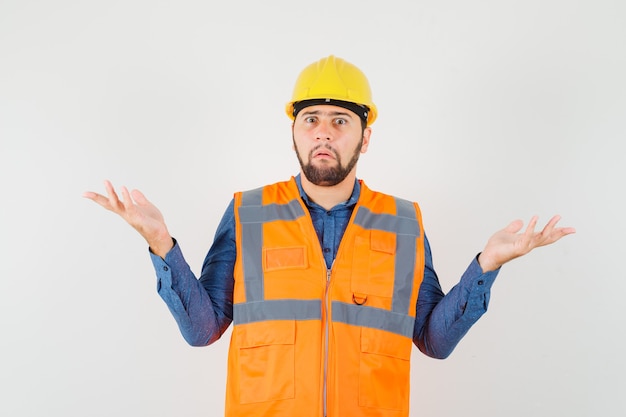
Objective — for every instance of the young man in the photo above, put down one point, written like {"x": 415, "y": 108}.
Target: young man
{"x": 327, "y": 283}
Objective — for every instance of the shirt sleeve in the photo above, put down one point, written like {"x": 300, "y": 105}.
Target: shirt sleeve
{"x": 441, "y": 319}
{"x": 202, "y": 308}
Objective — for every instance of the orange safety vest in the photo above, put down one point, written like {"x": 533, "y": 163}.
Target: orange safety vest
{"x": 308, "y": 341}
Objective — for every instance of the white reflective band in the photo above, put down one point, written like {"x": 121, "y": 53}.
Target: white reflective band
{"x": 406, "y": 228}
{"x": 375, "y": 318}
{"x": 252, "y": 215}
{"x": 277, "y": 310}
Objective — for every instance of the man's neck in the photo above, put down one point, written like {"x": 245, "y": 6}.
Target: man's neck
{"x": 329, "y": 196}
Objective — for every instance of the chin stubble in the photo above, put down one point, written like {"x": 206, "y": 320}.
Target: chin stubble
{"x": 330, "y": 175}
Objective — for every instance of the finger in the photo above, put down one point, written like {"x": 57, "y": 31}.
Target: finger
{"x": 527, "y": 240}
{"x": 98, "y": 198}
{"x": 530, "y": 229}
{"x": 549, "y": 228}
{"x": 139, "y": 197}
{"x": 553, "y": 221}
{"x": 113, "y": 199}
{"x": 559, "y": 232}
{"x": 514, "y": 227}
{"x": 126, "y": 198}
{"x": 551, "y": 233}
{"x": 568, "y": 230}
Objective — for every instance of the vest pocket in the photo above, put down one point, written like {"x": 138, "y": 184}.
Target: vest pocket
{"x": 267, "y": 361}
{"x": 284, "y": 258}
{"x": 384, "y": 370}
{"x": 373, "y": 264}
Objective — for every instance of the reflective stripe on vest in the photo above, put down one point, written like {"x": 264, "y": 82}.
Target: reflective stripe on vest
{"x": 253, "y": 214}
{"x": 406, "y": 228}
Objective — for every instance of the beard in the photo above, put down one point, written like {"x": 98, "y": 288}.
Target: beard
{"x": 327, "y": 175}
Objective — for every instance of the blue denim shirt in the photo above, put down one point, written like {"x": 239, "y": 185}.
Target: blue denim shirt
{"x": 203, "y": 308}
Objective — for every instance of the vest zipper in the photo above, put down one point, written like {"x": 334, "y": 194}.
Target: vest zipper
{"x": 326, "y": 333}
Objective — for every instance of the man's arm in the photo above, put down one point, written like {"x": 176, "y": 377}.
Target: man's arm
{"x": 443, "y": 320}
{"x": 203, "y": 309}
{"x": 201, "y": 316}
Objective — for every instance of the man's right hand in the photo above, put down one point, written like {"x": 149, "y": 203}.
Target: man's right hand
{"x": 140, "y": 213}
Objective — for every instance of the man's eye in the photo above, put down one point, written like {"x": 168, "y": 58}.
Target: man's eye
{"x": 310, "y": 120}
{"x": 341, "y": 121}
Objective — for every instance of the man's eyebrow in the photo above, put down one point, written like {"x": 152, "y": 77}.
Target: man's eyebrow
{"x": 331, "y": 113}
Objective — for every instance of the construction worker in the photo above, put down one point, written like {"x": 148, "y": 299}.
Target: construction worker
{"x": 328, "y": 284}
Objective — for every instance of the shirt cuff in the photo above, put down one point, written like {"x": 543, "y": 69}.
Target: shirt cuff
{"x": 477, "y": 286}
{"x": 163, "y": 267}
{"x": 474, "y": 279}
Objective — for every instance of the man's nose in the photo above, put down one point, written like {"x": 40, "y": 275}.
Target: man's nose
{"x": 323, "y": 131}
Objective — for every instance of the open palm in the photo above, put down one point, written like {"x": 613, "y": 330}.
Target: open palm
{"x": 140, "y": 213}
{"x": 507, "y": 244}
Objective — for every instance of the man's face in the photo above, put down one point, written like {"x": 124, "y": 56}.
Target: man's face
{"x": 328, "y": 140}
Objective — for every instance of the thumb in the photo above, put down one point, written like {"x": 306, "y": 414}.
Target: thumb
{"x": 514, "y": 227}
{"x": 139, "y": 197}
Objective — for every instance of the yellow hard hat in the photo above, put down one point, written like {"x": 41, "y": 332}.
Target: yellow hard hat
{"x": 334, "y": 81}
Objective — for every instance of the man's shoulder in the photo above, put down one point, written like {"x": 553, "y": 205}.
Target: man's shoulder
{"x": 278, "y": 190}
{"x": 382, "y": 195}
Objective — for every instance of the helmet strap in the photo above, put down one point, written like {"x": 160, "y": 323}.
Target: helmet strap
{"x": 358, "y": 109}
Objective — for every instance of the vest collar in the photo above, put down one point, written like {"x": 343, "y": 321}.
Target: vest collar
{"x": 356, "y": 192}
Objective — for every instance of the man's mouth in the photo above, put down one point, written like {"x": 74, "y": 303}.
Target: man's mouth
{"x": 324, "y": 154}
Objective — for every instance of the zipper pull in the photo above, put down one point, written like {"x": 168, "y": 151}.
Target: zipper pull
{"x": 328, "y": 271}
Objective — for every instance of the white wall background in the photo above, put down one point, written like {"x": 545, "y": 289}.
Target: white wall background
{"x": 489, "y": 111}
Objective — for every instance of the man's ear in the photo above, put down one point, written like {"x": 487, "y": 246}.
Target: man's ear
{"x": 367, "y": 133}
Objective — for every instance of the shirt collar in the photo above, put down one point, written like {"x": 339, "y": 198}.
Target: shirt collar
{"x": 356, "y": 192}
